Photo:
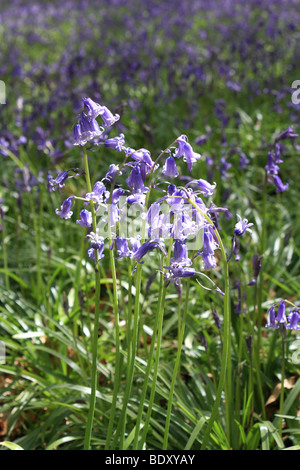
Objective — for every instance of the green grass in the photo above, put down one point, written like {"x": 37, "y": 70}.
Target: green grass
{"x": 47, "y": 283}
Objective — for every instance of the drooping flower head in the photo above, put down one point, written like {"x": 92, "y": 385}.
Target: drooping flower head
{"x": 186, "y": 151}
{"x": 280, "y": 186}
{"x": 136, "y": 181}
{"x": 204, "y": 186}
{"x": 115, "y": 143}
{"x": 271, "y": 167}
{"x": 65, "y": 210}
{"x": 108, "y": 117}
{"x": 85, "y": 218}
{"x": 58, "y": 182}
{"x": 281, "y": 320}
{"x": 170, "y": 169}
{"x": 180, "y": 257}
{"x": 97, "y": 193}
{"x": 242, "y": 226}
{"x": 96, "y": 245}
{"x": 271, "y": 321}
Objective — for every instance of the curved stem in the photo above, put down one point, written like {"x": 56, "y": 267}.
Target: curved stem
{"x": 129, "y": 380}
{"x": 89, "y": 426}
{"x": 225, "y": 374}
{"x": 224, "y": 366}
{"x": 117, "y": 340}
{"x": 136, "y": 317}
{"x": 148, "y": 368}
{"x": 176, "y": 368}
{"x": 155, "y": 372}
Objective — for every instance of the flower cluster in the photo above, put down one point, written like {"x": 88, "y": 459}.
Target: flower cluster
{"x": 87, "y": 127}
{"x": 274, "y": 160}
{"x": 176, "y": 223}
{"x": 282, "y": 320}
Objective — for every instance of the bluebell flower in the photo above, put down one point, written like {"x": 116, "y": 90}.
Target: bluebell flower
{"x": 137, "y": 198}
{"x": 58, "y": 182}
{"x": 153, "y": 213}
{"x": 85, "y": 130}
{"x": 277, "y": 156}
{"x": 176, "y": 201}
{"x": 89, "y": 128}
{"x": 204, "y": 186}
{"x": 136, "y": 181}
{"x": 209, "y": 261}
{"x": 271, "y": 167}
{"x": 209, "y": 243}
{"x": 171, "y": 189}
{"x": 141, "y": 156}
{"x": 287, "y": 134}
{"x": 78, "y": 137}
{"x": 180, "y": 257}
{"x": 152, "y": 217}
{"x": 92, "y": 254}
{"x": 281, "y": 316}
{"x": 85, "y": 218}
{"x": 170, "y": 169}
{"x": 158, "y": 223}
{"x": 97, "y": 244}
{"x": 271, "y": 323}
{"x": 280, "y": 186}
{"x": 208, "y": 250}
{"x": 176, "y": 273}
{"x": 112, "y": 173}
{"x": 122, "y": 247}
{"x": 115, "y": 195}
{"x": 108, "y": 117}
{"x": 293, "y": 320}
{"x": 65, "y": 212}
{"x": 241, "y": 227}
{"x": 92, "y": 109}
{"x": 135, "y": 244}
{"x": 97, "y": 194}
{"x": 186, "y": 151}
{"x": 115, "y": 143}
{"x": 145, "y": 247}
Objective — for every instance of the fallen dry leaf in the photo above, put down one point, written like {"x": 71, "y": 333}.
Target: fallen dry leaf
{"x": 288, "y": 384}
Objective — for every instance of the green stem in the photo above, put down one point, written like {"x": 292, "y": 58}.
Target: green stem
{"x": 136, "y": 317}
{"x": 257, "y": 349}
{"x": 155, "y": 372}
{"x": 117, "y": 339}
{"x": 176, "y": 368}
{"x": 225, "y": 374}
{"x": 158, "y": 329}
{"x": 5, "y": 263}
{"x": 129, "y": 380}
{"x": 281, "y": 400}
{"x": 149, "y": 366}
{"x": 37, "y": 233}
{"x": 128, "y": 338}
{"x": 89, "y": 426}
